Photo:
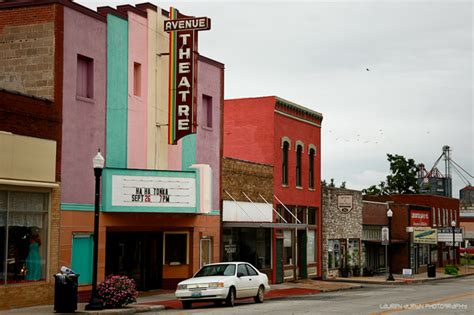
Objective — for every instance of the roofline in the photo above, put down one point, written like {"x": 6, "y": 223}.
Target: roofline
{"x": 290, "y": 104}
{"x": 39, "y": 98}
{"x": 246, "y": 161}
{"x": 104, "y": 11}
{"x": 125, "y": 8}
{"x": 70, "y": 4}
{"x": 211, "y": 61}
{"x": 146, "y": 5}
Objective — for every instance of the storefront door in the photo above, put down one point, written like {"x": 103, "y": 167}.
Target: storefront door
{"x": 279, "y": 260}
{"x": 138, "y": 255}
{"x": 302, "y": 257}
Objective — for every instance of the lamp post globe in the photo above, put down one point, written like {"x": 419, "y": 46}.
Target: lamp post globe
{"x": 389, "y": 217}
{"x": 98, "y": 163}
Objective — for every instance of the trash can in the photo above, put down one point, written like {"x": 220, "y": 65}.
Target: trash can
{"x": 431, "y": 271}
{"x": 65, "y": 292}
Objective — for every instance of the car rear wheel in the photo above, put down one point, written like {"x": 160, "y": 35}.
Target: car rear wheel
{"x": 260, "y": 295}
{"x": 230, "y": 300}
{"x": 186, "y": 305}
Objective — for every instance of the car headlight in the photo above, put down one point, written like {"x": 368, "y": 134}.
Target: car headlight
{"x": 182, "y": 287}
{"x": 216, "y": 285}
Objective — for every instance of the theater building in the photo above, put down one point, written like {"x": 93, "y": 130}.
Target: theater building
{"x": 286, "y": 136}
{"x": 67, "y": 97}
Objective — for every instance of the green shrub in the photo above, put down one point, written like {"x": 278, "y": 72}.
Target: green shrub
{"x": 451, "y": 270}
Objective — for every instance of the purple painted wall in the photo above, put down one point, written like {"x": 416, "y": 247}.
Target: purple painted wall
{"x": 83, "y": 119}
{"x": 137, "y": 104}
{"x": 208, "y": 142}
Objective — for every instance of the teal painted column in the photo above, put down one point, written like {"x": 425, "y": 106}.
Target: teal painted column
{"x": 117, "y": 92}
{"x": 188, "y": 153}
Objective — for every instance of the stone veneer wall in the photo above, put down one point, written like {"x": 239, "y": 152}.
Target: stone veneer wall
{"x": 252, "y": 178}
{"x": 27, "y": 50}
{"x": 339, "y": 225}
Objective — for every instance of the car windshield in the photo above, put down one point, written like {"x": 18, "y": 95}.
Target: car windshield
{"x": 216, "y": 270}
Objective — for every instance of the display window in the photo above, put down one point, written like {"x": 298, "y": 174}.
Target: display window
{"x": 23, "y": 236}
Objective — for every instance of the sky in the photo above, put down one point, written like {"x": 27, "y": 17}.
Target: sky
{"x": 388, "y": 76}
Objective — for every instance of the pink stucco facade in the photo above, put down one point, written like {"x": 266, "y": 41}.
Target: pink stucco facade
{"x": 83, "y": 130}
{"x": 209, "y": 140}
{"x": 137, "y": 92}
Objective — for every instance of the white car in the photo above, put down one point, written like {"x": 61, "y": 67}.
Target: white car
{"x": 223, "y": 282}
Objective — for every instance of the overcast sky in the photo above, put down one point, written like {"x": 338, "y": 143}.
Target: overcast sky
{"x": 416, "y": 97}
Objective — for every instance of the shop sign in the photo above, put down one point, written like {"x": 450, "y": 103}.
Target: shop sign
{"x": 153, "y": 191}
{"x": 183, "y": 73}
{"x": 344, "y": 203}
{"x": 419, "y": 218}
{"x": 385, "y": 235}
{"x": 446, "y": 235}
{"x": 425, "y": 236}
{"x": 230, "y": 248}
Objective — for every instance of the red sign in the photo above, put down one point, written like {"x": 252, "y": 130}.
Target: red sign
{"x": 419, "y": 218}
{"x": 183, "y": 73}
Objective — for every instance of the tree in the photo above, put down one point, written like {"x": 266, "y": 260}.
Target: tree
{"x": 401, "y": 181}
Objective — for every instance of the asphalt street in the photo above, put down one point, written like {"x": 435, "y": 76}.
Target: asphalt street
{"x": 453, "y": 296}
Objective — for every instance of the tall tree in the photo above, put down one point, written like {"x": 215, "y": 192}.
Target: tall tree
{"x": 401, "y": 181}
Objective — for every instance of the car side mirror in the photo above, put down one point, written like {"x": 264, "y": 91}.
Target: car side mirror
{"x": 240, "y": 274}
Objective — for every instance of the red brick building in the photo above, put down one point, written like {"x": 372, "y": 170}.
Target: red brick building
{"x": 427, "y": 211}
{"x": 276, "y": 132}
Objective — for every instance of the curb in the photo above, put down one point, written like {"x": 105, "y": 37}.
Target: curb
{"x": 131, "y": 309}
{"x": 399, "y": 282}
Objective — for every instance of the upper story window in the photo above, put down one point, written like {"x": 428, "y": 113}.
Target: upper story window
{"x": 311, "y": 168}
{"x": 207, "y": 107}
{"x": 284, "y": 167}
{"x": 299, "y": 152}
{"x": 85, "y": 77}
{"x": 137, "y": 79}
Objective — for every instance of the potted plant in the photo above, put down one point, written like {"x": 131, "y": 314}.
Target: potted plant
{"x": 345, "y": 271}
{"x": 356, "y": 270}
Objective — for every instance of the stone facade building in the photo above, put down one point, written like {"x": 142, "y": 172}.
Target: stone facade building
{"x": 342, "y": 230}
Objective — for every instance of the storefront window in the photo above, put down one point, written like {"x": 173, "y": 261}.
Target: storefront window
{"x": 176, "y": 248}
{"x": 311, "y": 251}
{"x": 354, "y": 252}
{"x": 251, "y": 245}
{"x": 23, "y": 232}
{"x": 288, "y": 247}
{"x": 312, "y": 216}
{"x": 334, "y": 254}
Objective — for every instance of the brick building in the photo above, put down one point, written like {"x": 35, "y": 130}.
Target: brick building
{"x": 276, "y": 132}
{"x": 342, "y": 231}
{"x": 466, "y": 214}
{"x": 247, "y": 217}
{"x": 29, "y": 198}
{"x": 422, "y": 211}
{"x": 86, "y": 97}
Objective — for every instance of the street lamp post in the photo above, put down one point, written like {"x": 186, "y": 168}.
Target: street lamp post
{"x": 389, "y": 216}
{"x": 98, "y": 163}
{"x": 453, "y": 228}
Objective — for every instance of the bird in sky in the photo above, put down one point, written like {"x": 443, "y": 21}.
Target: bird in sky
{"x": 367, "y": 69}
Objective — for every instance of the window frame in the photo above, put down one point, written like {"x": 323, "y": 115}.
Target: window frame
{"x": 165, "y": 234}
{"x": 208, "y": 115}
{"x": 311, "y": 155}
{"x": 285, "y": 160}
{"x": 299, "y": 153}
{"x": 137, "y": 79}
{"x": 85, "y": 90}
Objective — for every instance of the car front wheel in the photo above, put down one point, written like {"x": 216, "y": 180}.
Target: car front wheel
{"x": 230, "y": 300}
{"x": 186, "y": 305}
{"x": 260, "y": 295}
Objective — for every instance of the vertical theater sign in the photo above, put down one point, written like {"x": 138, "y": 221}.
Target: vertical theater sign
{"x": 182, "y": 98}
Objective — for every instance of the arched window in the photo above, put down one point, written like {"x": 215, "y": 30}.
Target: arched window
{"x": 299, "y": 151}
{"x": 284, "y": 166}
{"x": 311, "y": 168}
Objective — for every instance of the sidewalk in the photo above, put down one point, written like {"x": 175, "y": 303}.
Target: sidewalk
{"x": 399, "y": 279}
{"x": 160, "y": 299}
